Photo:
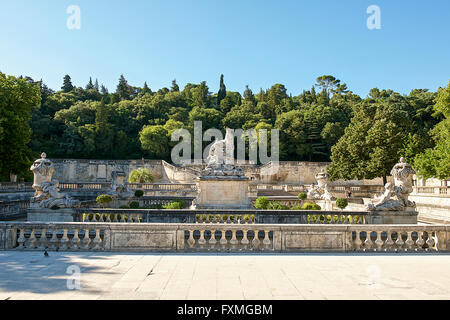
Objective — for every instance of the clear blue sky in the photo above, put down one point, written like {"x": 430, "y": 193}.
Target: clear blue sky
{"x": 254, "y": 42}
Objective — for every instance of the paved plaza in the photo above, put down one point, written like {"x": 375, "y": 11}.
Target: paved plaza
{"x": 31, "y": 275}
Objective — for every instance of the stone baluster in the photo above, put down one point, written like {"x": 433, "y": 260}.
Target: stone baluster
{"x": 368, "y": 242}
{"x": 399, "y": 242}
{"x": 420, "y": 242}
{"x": 389, "y": 244}
{"x": 86, "y": 240}
{"x": 21, "y": 239}
{"x": 97, "y": 240}
{"x": 32, "y": 240}
{"x": 430, "y": 241}
{"x": 43, "y": 239}
{"x": 201, "y": 240}
{"x": 54, "y": 239}
{"x": 75, "y": 240}
{"x": 122, "y": 217}
{"x": 223, "y": 240}
{"x": 255, "y": 242}
{"x": 115, "y": 217}
{"x": 409, "y": 241}
{"x": 244, "y": 241}
{"x": 233, "y": 240}
{"x": 379, "y": 242}
{"x": 191, "y": 240}
{"x": 108, "y": 217}
{"x": 266, "y": 240}
{"x": 212, "y": 241}
{"x": 357, "y": 243}
{"x": 64, "y": 242}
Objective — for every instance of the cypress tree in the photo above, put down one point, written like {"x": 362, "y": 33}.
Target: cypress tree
{"x": 222, "y": 91}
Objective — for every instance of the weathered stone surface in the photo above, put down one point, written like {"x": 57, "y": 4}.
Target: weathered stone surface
{"x": 222, "y": 193}
{"x": 314, "y": 241}
{"x": 123, "y": 240}
{"x": 49, "y": 215}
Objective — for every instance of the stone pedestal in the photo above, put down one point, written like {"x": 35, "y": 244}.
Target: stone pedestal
{"x": 392, "y": 217}
{"x": 222, "y": 193}
{"x": 49, "y": 215}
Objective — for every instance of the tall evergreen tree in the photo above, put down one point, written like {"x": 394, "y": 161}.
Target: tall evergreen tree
{"x": 175, "y": 87}
{"x": 123, "y": 89}
{"x": 67, "y": 84}
{"x": 96, "y": 86}
{"x": 146, "y": 89}
{"x": 222, "y": 91}
{"x": 90, "y": 85}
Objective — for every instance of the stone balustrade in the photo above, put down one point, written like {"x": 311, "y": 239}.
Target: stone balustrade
{"x": 222, "y": 216}
{"x": 223, "y": 237}
{"x": 13, "y": 208}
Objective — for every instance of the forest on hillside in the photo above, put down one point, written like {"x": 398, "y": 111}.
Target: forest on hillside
{"x": 362, "y": 136}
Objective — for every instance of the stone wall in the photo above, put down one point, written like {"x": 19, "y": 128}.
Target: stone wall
{"x": 287, "y": 172}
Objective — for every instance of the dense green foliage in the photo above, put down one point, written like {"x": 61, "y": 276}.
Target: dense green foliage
{"x": 302, "y": 196}
{"x": 310, "y": 206}
{"x": 176, "y": 204}
{"x": 104, "y": 199}
{"x": 17, "y": 98}
{"x": 262, "y": 203}
{"x": 141, "y": 175}
{"x": 138, "y": 193}
{"x": 363, "y": 137}
{"x": 341, "y": 203}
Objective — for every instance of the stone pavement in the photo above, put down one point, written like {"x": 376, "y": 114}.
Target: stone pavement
{"x": 30, "y": 275}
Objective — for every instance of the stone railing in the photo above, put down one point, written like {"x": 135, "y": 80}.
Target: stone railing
{"x": 13, "y": 209}
{"x": 223, "y": 237}
{"x": 15, "y": 186}
{"x": 222, "y": 216}
{"x": 163, "y": 186}
{"x": 439, "y": 191}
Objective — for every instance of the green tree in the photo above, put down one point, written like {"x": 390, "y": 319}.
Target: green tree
{"x": 222, "y": 91}
{"x": 67, "y": 84}
{"x": 17, "y": 98}
{"x": 141, "y": 175}
{"x": 154, "y": 140}
{"x": 435, "y": 162}
{"x": 123, "y": 90}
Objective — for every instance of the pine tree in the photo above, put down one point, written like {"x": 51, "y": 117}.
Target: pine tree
{"x": 146, "y": 89}
{"x": 222, "y": 91}
{"x": 123, "y": 89}
{"x": 103, "y": 90}
{"x": 175, "y": 87}
{"x": 96, "y": 87}
{"x": 90, "y": 85}
{"x": 67, "y": 84}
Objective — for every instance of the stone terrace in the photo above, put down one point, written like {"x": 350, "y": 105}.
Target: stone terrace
{"x": 30, "y": 275}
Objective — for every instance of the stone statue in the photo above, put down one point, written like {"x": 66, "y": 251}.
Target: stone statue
{"x": 220, "y": 160}
{"x": 119, "y": 187}
{"x": 320, "y": 191}
{"x": 47, "y": 193}
{"x": 395, "y": 196}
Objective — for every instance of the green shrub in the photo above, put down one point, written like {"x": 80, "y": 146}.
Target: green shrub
{"x": 296, "y": 208}
{"x": 124, "y": 207}
{"x": 176, "y": 204}
{"x": 310, "y": 206}
{"x": 341, "y": 203}
{"x": 141, "y": 175}
{"x": 302, "y": 196}
{"x": 277, "y": 206}
{"x": 104, "y": 199}
{"x": 138, "y": 193}
{"x": 262, "y": 203}
{"x": 134, "y": 205}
